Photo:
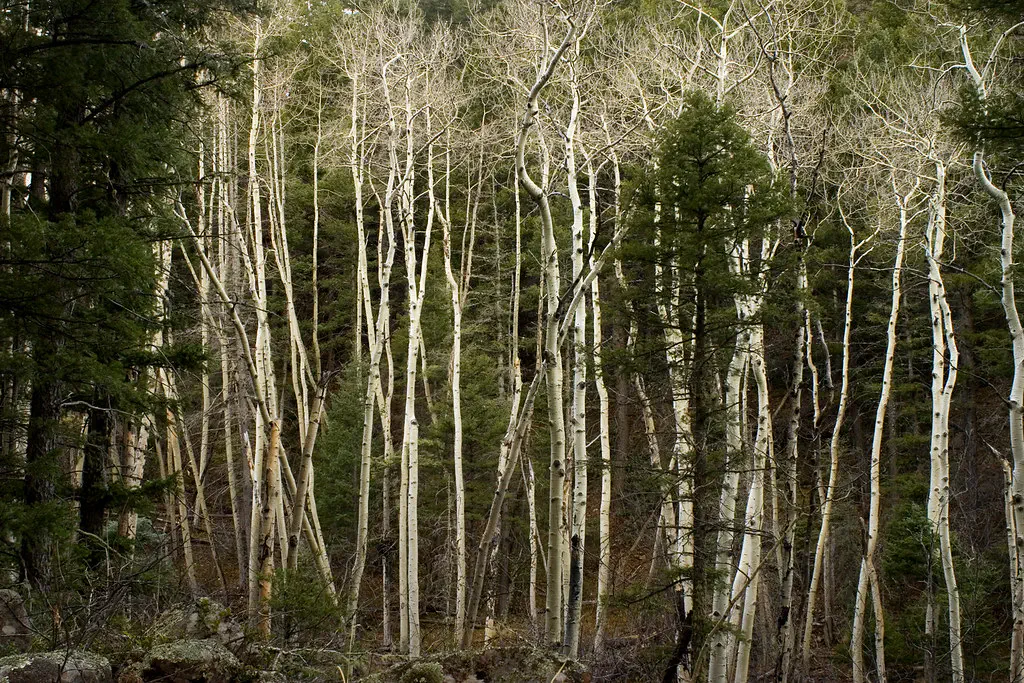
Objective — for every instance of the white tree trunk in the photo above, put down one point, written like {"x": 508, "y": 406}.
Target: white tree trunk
{"x": 1016, "y": 398}
{"x": 577, "y": 534}
{"x": 874, "y": 505}
{"x": 604, "y": 518}
{"x": 271, "y": 497}
{"x": 410, "y": 439}
{"x": 943, "y": 381}
{"x": 787, "y": 634}
{"x": 458, "y": 288}
{"x": 722, "y": 641}
{"x": 748, "y": 571}
{"x": 833, "y": 475}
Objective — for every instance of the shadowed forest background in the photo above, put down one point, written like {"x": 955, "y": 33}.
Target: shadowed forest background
{"x": 511, "y": 340}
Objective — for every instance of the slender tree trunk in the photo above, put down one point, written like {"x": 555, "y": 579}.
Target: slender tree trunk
{"x": 1016, "y": 401}
{"x": 271, "y": 498}
{"x": 577, "y": 537}
{"x": 604, "y": 518}
{"x": 748, "y": 572}
{"x": 410, "y": 443}
{"x": 174, "y": 469}
{"x": 787, "y": 630}
{"x": 552, "y": 353}
{"x": 833, "y": 476}
{"x": 458, "y": 288}
{"x": 867, "y": 566}
{"x": 722, "y": 642}
{"x": 943, "y": 381}
{"x": 1016, "y": 398}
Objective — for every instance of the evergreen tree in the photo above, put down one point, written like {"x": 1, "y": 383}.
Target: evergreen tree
{"x": 99, "y": 97}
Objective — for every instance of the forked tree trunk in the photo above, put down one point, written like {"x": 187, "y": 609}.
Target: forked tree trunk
{"x": 748, "y": 572}
{"x": 722, "y": 641}
{"x": 552, "y": 352}
{"x": 943, "y": 381}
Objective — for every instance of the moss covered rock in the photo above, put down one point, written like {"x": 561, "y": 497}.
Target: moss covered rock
{"x": 504, "y": 664}
{"x": 185, "y": 661}
{"x": 199, "y": 620}
{"x": 15, "y": 625}
{"x": 62, "y": 666}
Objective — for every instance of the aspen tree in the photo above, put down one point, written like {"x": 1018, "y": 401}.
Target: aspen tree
{"x": 178, "y": 511}
{"x": 458, "y": 290}
{"x": 135, "y": 454}
{"x": 220, "y": 192}
{"x": 855, "y": 255}
{"x": 376, "y": 333}
{"x": 257, "y": 285}
{"x": 782, "y": 31}
{"x": 746, "y": 579}
{"x": 868, "y": 575}
{"x": 526, "y": 464}
{"x": 266, "y": 404}
{"x": 577, "y": 536}
{"x": 943, "y": 381}
{"x": 270, "y": 499}
{"x": 552, "y": 352}
{"x": 556, "y": 413}
{"x": 604, "y": 519}
{"x": 748, "y": 572}
{"x": 520, "y": 421}
{"x": 980, "y": 81}
{"x": 416, "y": 283}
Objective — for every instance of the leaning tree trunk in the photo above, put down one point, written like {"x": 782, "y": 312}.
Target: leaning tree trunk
{"x": 552, "y": 352}
{"x": 1010, "y": 310}
{"x": 1015, "y": 520}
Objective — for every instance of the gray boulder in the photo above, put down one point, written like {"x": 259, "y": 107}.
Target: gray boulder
{"x": 15, "y": 626}
{"x": 185, "y": 661}
{"x": 199, "y": 620}
{"x": 74, "y": 666}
